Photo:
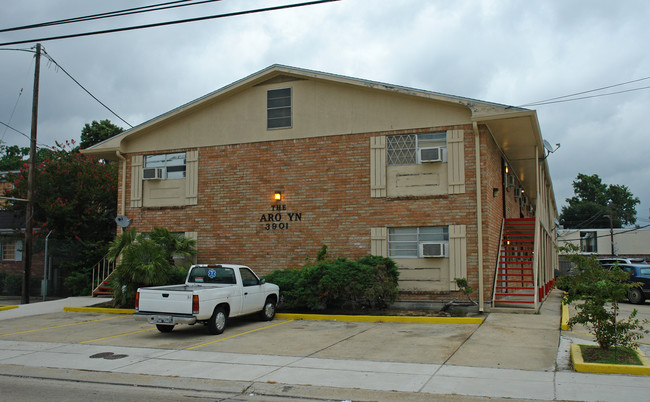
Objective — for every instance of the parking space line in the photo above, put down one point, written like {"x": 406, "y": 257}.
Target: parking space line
{"x": 235, "y": 336}
{"x": 117, "y": 336}
{"x": 61, "y": 326}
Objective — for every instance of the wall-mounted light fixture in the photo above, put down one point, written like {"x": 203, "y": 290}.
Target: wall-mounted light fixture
{"x": 277, "y": 196}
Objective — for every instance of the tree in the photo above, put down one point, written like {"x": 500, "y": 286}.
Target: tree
{"x": 75, "y": 198}
{"x": 148, "y": 260}
{"x": 95, "y": 132}
{"x": 12, "y": 157}
{"x": 594, "y": 202}
{"x": 600, "y": 290}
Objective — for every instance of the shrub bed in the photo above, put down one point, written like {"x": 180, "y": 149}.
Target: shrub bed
{"x": 368, "y": 282}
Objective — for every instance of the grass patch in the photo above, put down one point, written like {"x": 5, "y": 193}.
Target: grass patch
{"x": 622, "y": 355}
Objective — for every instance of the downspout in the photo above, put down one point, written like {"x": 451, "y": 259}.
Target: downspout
{"x": 479, "y": 217}
{"x": 123, "y": 197}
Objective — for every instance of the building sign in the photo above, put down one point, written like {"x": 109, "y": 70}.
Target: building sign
{"x": 279, "y": 218}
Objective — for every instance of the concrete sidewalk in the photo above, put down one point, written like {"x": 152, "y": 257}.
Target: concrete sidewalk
{"x": 47, "y": 307}
{"x": 516, "y": 356}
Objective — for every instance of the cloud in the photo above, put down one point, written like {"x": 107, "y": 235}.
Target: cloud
{"x": 504, "y": 51}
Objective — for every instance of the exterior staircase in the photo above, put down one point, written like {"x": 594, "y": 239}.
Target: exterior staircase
{"x": 101, "y": 283}
{"x": 515, "y": 282}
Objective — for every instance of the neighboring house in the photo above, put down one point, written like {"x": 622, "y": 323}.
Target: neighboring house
{"x": 12, "y": 233}
{"x": 629, "y": 242}
{"x": 267, "y": 170}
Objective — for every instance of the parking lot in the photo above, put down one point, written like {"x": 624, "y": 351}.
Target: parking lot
{"x": 380, "y": 341}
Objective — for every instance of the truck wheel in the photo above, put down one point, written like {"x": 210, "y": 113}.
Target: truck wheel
{"x": 268, "y": 312}
{"x": 164, "y": 328}
{"x": 217, "y": 323}
{"x": 635, "y": 296}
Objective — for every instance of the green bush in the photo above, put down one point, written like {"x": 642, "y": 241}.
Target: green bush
{"x": 600, "y": 291}
{"x": 12, "y": 285}
{"x": 147, "y": 261}
{"x": 368, "y": 282}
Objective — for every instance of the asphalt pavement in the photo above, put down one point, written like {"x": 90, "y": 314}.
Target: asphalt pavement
{"x": 517, "y": 356}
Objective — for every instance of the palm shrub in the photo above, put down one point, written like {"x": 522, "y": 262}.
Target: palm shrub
{"x": 147, "y": 260}
{"x": 600, "y": 291}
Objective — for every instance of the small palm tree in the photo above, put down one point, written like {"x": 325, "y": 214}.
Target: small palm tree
{"x": 147, "y": 260}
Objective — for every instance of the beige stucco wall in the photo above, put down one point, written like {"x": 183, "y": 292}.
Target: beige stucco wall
{"x": 320, "y": 108}
{"x": 626, "y": 241}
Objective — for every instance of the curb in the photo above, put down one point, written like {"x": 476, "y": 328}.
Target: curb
{"x": 580, "y": 365}
{"x": 5, "y": 307}
{"x": 375, "y": 318}
{"x": 364, "y": 318}
{"x": 100, "y": 310}
{"x": 565, "y": 317}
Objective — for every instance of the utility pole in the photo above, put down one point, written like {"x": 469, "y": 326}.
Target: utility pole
{"x": 27, "y": 248}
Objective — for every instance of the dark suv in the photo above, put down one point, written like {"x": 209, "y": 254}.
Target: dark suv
{"x": 638, "y": 273}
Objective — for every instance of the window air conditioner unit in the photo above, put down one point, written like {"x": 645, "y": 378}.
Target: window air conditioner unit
{"x": 510, "y": 180}
{"x": 153, "y": 173}
{"x": 433, "y": 249}
{"x": 517, "y": 193}
{"x": 430, "y": 154}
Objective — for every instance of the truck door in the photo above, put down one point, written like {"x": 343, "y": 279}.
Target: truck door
{"x": 253, "y": 295}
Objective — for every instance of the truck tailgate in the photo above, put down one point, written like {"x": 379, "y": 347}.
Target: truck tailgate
{"x": 165, "y": 301}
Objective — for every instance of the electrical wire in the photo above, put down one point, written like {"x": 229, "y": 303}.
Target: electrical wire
{"x": 13, "y": 111}
{"x": 82, "y": 87}
{"x": 111, "y": 14}
{"x": 166, "y": 23}
{"x": 561, "y": 99}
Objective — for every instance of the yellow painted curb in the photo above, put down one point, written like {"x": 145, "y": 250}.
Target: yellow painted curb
{"x": 580, "y": 365}
{"x": 5, "y": 307}
{"x": 565, "y": 317}
{"x": 100, "y": 310}
{"x": 378, "y": 318}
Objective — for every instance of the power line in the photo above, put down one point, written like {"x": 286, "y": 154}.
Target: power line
{"x": 82, "y": 87}
{"x": 51, "y": 59}
{"x": 561, "y": 99}
{"x": 111, "y": 14}
{"x": 175, "y": 22}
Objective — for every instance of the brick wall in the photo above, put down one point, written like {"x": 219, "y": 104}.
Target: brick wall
{"x": 326, "y": 201}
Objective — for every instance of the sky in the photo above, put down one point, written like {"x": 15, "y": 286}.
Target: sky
{"x": 512, "y": 52}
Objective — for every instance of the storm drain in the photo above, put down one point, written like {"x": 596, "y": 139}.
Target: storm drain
{"x": 108, "y": 356}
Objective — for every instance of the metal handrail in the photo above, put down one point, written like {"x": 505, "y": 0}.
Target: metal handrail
{"x": 101, "y": 271}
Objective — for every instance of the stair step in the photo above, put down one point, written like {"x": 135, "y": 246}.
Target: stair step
{"x": 516, "y": 294}
{"x": 515, "y": 301}
{"x": 515, "y": 288}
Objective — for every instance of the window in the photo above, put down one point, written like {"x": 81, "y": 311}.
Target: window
{"x": 403, "y": 149}
{"x": 405, "y": 242}
{"x": 588, "y": 243}
{"x": 278, "y": 108}
{"x": 248, "y": 278}
{"x": 173, "y": 164}
{"x": 11, "y": 250}
{"x": 212, "y": 274}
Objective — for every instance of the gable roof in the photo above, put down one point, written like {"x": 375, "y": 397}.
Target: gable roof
{"x": 515, "y": 130}
{"x": 277, "y": 73}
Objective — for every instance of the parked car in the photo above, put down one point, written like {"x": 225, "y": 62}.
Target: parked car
{"x": 621, "y": 260}
{"x": 210, "y": 295}
{"x": 638, "y": 273}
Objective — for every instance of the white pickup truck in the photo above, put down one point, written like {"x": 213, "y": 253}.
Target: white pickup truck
{"x": 211, "y": 294}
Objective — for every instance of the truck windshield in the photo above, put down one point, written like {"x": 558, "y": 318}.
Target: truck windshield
{"x": 212, "y": 275}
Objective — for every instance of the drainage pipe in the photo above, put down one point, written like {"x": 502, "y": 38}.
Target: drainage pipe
{"x": 479, "y": 217}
